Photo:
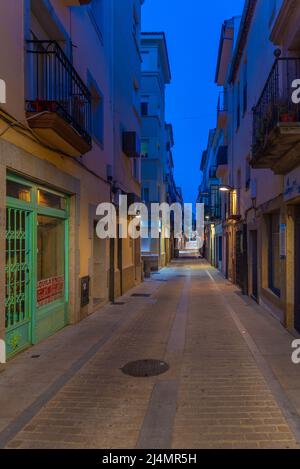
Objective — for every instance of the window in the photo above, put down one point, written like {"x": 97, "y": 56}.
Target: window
{"x": 274, "y": 252}
{"x": 214, "y": 202}
{"x": 220, "y": 248}
{"x": 97, "y": 111}
{"x": 17, "y": 190}
{"x": 144, "y": 149}
{"x": 144, "y": 108}
{"x": 50, "y": 260}
{"x": 145, "y": 195}
{"x": 51, "y": 200}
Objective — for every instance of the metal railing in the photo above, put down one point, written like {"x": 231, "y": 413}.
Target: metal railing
{"x": 55, "y": 86}
{"x": 275, "y": 104}
{"x": 212, "y": 212}
{"x": 212, "y": 204}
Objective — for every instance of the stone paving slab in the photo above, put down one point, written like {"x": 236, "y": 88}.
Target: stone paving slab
{"x": 216, "y": 393}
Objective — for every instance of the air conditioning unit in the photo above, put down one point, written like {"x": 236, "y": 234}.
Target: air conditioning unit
{"x": 131, "y": 144}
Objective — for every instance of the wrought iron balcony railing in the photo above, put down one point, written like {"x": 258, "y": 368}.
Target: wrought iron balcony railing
{"x": 212, "y": 212}
{"x": 55, "y": 86}
{"x": 275, "y": 105}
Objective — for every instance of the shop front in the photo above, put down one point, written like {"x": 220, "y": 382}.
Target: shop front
{"x": 36, "y": 264}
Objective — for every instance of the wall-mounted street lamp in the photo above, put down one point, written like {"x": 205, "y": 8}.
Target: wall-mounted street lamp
{"x": 226, "y": 188}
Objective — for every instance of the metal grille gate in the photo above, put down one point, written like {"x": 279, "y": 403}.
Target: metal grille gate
{"x": 17, "y": 278}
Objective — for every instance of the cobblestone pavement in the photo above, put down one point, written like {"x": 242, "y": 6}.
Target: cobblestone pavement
{"x": 218, "y": 393}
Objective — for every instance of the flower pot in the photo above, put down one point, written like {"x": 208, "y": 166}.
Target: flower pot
{"x": 288, "y": 117}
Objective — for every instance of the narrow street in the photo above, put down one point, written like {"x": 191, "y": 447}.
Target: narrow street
{"x": 230, "y": 383}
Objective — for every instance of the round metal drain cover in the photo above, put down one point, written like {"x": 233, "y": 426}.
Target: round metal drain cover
{"x": 145, "y": 368}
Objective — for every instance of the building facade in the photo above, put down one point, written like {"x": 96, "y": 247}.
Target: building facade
{"x": 257, "y": 64}
{"x": 157, "y": 139}
{"x": 69, "y": 133}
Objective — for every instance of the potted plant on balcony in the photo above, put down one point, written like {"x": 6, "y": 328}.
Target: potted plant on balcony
{"x": 286, "y": 113}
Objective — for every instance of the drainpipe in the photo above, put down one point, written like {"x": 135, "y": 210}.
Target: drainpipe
{"x": 112, "y": 105}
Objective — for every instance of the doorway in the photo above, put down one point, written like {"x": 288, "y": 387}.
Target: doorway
{"x": 36, "y": 266}
{"x": 227, "y": 257}
{"x": 100, "y": 287}
{"x": 297, "y": 270}
{"x": 18, "y": 274}
{"x": 254, "y": 265}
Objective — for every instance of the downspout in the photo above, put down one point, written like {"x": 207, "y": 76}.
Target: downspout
{"x": 112, "y": 104}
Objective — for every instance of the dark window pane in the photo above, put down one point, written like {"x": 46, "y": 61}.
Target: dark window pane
{"x": 48, "y": 199}
{"x": 144, "y": 109}
{"x": 18, "y": 191}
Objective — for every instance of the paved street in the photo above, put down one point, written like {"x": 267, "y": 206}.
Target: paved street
{"x": 231, "y": 382}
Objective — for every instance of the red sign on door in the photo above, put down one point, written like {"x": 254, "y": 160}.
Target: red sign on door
{"x": 50, "y": 290}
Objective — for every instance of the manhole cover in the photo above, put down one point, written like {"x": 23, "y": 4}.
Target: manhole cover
{"x": 145, "y": 368}
{"x": 117, "y": 303}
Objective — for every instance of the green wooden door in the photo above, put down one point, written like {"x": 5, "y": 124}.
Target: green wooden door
{"x": 17, "y": 279}
{"x": 36, "y": 271}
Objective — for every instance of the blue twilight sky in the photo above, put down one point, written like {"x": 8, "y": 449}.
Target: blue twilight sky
{"x": 192, "y": 29}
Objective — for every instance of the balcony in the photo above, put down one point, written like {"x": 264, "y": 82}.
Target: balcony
{"x": 58, "y": 106}
{"x": 212, "y": 204}
{"x": 276, "y": 120}
{"x": 212, "y": 213}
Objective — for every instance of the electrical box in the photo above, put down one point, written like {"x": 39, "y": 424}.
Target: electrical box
{"x": 85, "y": 291}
